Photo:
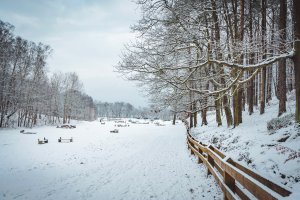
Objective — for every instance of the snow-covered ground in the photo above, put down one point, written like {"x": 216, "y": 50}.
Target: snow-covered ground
{"x": 143, "y": 161}
{"x": 253, "y": 145}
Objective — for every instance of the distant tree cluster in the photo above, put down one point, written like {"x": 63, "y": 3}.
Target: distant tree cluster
{"x": 228, "y": 56}
{"x": 27, "y": 94}
{"x": 126, "y": 110}
{"x": 115, "y": 110}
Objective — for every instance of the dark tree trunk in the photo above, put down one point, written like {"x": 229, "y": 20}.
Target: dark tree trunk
{"x": 263, "y": 70}
{"x": 203, "y": 116}
{"x": 241, "y": 88}
{"x": 296, "y": 11}
{"x": 282, "y": 62}
{"x": 240, "y": 104}
{"x": 270, "y": 68}
{"x": 191, "y": 119}
{"x": 216, "y": 37}
{"x": 290, "y": 79}
{"x": 195, "y": 119}
{"x": 251, "y": 86}
{"x": 256, "y": 84}
{"x": 269, "y": 84}
{"x": 227, "y": 111}
{"x": 235, "y": 100}
{"x": 250, "y": 94}
{"x": 218, "y": 112}
{"x": 174, "y": 118}
{"x": 263, "y": 91}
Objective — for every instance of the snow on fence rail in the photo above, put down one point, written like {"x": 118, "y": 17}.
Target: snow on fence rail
{"x": 235, "y": 180}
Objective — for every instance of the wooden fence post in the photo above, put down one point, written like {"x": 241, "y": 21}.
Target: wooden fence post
{"x": 229, "y": 180}
{"x": 192, "y": 149}
{"x": 199, "y": 159}
{"x": 211, "y": 162}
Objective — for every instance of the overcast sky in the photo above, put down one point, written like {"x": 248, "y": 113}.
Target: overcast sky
{"x": 86, "y": 36}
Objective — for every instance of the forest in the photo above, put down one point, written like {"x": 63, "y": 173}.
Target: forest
{"x": 28, "y": 95}
{"x": 228, "y": 56}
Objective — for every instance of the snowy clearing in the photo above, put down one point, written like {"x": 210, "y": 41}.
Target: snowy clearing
{"x": 143, "y": 161}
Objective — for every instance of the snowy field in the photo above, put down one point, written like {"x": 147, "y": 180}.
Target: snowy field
{"x": 143, "y": 161}
{"x": 273, "y": 154}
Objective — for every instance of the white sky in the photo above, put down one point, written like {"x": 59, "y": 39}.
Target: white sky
{"x": 87, "y": 37}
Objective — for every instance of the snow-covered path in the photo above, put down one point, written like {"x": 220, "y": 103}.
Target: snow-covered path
{"x": 143, "y": 161}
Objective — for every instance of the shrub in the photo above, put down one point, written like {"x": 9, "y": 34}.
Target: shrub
{"x": 280, "y": 122}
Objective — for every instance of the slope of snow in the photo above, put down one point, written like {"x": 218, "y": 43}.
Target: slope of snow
{"x": 253, "y": 145}
{"x": 143, "y": 161}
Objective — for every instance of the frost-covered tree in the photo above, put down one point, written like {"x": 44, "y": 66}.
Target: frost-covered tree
{"x": 211, "y": 50}
{"x": 27, "y": 94}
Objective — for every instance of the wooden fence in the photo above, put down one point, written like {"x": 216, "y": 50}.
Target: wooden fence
{"x": 235, "y": 180}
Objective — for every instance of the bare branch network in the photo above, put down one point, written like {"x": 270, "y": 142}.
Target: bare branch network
{"x": 212, "y": 53}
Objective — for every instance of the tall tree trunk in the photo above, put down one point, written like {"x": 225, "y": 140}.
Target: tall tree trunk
{"x": 256, "y": 88}
{"x": 227, "y": 110}
{"x": 296, "y": 11}
{"x": 270, "y": 69}
{"x": 174, "y": 118}
{"x": 218, "y": 111}
{"x": 250, "y": 88}
{"x": 237, "y": 98}
{"x": 250, "y": 94}
{"x": 195, "y": 119}
{"x": 290, "y": 78}
{"x": 263, "y": 91}
{"x": 269, "y": 84}
{"x": 224, "y": 99}
{"x": 235, "y": 106}
{"x": 203, "y": 116}
{"x": 191, "y": 116}
{"x": 229, "y": 33}
{"x": 240, "y": 103}
{"x": 263, "y": 70}
{"x": 204, "y": 110}
{"x": 282, "y": 62}
{"x": 240, "y": 92}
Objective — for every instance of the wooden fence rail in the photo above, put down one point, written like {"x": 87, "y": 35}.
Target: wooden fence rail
{"x": 235, "y": 180}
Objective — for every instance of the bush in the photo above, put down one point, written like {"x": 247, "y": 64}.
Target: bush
{"x": 280, "y": 122}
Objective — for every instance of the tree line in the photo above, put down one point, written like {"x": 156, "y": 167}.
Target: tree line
{"x": 115, "y": 110}
{"x": 127, "y": 110}
{"x": 227, "y": 56}
{"x": 28, "y": 95}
